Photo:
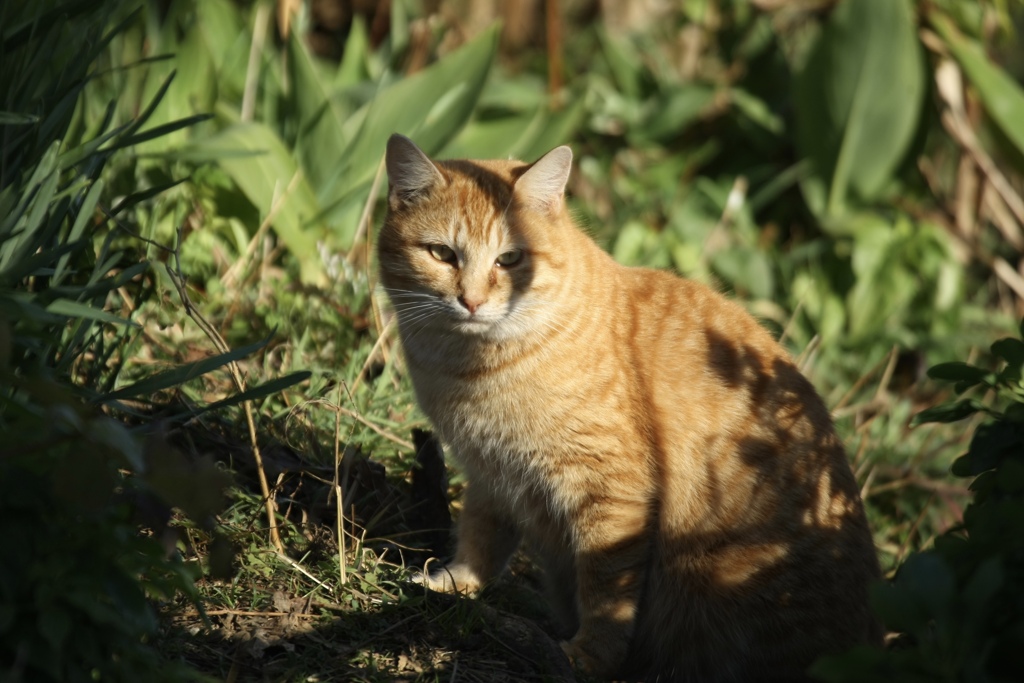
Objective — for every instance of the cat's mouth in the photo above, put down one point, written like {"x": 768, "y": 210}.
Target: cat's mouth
{"x": 475, "y": 324}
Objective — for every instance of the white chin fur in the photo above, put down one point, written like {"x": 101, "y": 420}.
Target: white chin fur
{"x": 475, "y": 326}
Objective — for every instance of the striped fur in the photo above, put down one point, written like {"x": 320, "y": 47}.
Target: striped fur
{"x": 678, "y": 477}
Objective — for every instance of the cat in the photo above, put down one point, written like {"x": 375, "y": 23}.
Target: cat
{"x": 677, "y": 477}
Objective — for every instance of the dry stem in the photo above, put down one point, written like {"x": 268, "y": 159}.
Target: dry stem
{"x": 178, "y": 279}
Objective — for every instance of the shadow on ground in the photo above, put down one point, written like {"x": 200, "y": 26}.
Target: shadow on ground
{"x": 424, "y": 637}
{"x": 266, "y": 623}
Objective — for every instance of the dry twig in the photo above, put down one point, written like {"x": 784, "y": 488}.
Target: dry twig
{"x": 364, "y": 219}
{"x": 954, "y": 119}
{"x": 180, "y": 284}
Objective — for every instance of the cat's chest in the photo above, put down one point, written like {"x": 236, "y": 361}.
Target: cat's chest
{"x": 499, "y": 415}
{"x": 503, "y": 422}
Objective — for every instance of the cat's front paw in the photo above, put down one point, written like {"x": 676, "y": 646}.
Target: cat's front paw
{"x": 602, "y": 659}
{"x": 454, "y": 579}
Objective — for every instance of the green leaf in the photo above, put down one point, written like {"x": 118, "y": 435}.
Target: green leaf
{"x": 220, "y": 23}
{"x": 1015, "y": 412}
{"x": 898, "y": 607}
{"x": 321, "y": 137}
{"x": 154, "y": 102}
{"x": 961, "y": 467}
{"x": 886, "y": 277}
{"x": 399, "y": 33}
{"x": 755, "y": 109}
{"x": 182, "y": 373}
{"x": 994, "y": 441}
{"x": 39, "y": 261}
{"x": 86, "y": 214}
{"x": 76, "y": 309}
{"x": 10, "y": 118}
{"x": 141, "y": 196}
{"x": 159, "y": 131}
{"x": 1000, "y": 94}
{"x": 859, "y": 97}
{"x": 194, "y": 485}
{"x": 983, "y": 486}
{"x": 956, "y": 371}
{"x": 495, "y": 138}
{"x": 15, "y": 248}
{"x": 269, "y": 388}
{"x": 1011, "y": 350}
{"x": 746, "y": 269}
{"x": 948, "y": 412}
{"x": 178, "y": 99}
{"x": 352, "y": 69}
{"x": 524, "y": 135}
{"x": 674, "y": 111}
{"x": 556, "y": 128}
{"x": 624, "y": 62}
{"x": 1010, "y": 476}
{"x": 263, "y": 169}
{"x": 930, "y": 579}
{"x": 444, "y": 96}
{"x": 983, "y": 585}
{"x": 54, "y": 625}
{"x": 856, "y": 665}
{"x": 778, "y": 184}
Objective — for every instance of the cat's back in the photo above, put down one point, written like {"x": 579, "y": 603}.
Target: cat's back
{"x": 706, "y": 363}
{"x": 740, "y": 433}
{"x": 760, "y": 521}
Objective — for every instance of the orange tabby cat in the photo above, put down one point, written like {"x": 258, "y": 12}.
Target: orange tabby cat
{"x": 677, "y": 476}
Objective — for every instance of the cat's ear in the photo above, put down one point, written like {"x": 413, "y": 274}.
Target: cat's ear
{"x": 543, "y": 183}
{"x": 411, "y": 173}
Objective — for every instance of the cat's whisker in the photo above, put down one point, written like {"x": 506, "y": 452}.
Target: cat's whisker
{"x": 417, "y": 317}
{"x": 411, "y": 295}
{"x": 412, "y": 308}
{"x": 401, "y": 303}
{"x": 421, "y": 316}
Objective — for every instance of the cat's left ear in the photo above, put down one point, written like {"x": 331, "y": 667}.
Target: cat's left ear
{"x": 543, "y": 184}
{"x": 411, "y": 173}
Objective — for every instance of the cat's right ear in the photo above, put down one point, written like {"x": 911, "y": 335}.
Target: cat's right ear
{"x": 543, "y": 183}
{"x": 411, "y": 173}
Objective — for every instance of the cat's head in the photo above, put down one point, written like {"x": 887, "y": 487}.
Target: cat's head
{"x": 473, "y": 247}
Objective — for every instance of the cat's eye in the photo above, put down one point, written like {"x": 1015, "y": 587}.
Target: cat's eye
{"x": 442, "y": 252}
{"x": 510, "y": 258}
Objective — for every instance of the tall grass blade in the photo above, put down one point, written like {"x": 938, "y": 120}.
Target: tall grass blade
{"x": 270, "y": 388}
{"x": 142, "y": 195}
{"x": 159, "y": 131}
{"x": 76, "y": 309}
{"x": 10, "y": 118}
{"x": 182, "y": 374}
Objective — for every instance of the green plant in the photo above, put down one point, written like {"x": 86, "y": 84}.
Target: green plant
{"x": 289, "y": 163}
{"x": 84, "y": 500}
{"x": 78, "y": 578}
{"x": 959, "y": 607}
{"x": 297, "y": 140}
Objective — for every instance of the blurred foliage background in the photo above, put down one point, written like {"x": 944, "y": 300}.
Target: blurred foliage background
{"x": 192, "y": 344}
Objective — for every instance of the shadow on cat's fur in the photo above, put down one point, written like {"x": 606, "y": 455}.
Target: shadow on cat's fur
{"x": 715, "y": 600}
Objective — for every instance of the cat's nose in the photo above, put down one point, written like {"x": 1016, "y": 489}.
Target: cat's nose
{"x": 471, "y": 303}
